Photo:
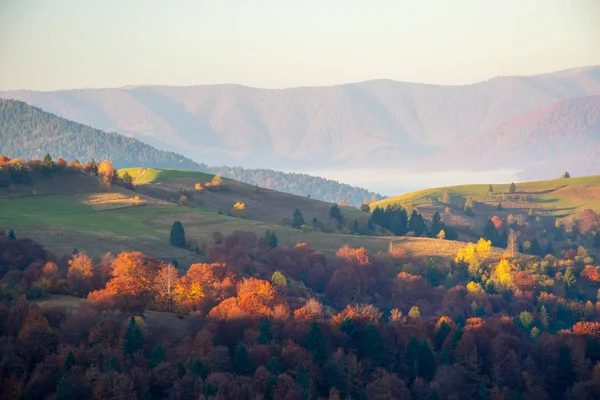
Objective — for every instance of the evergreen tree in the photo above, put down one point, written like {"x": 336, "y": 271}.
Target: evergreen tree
{"x": 177, "y": 236}
{"x": 303, "y": 381}
{"x": 426, "y": 361}
{"x": 512, "y": 188}
{"x": 298, "y": 219}
{"x": 436, "y": 225}
{"x": 490, "y": 233}
{"x": 411, "y": 357}
{"x": 336, "y": 213}
{"x": 597, "y": 240}
{"x": 133, "y": 340}
{"x": 416, "y": 223}
{"x": 198, "y": 369}
{"x": 274, "y": 366}
{"x": 265, "y": 333}
{"x": 535, "y": 248}
{"x": 315, "y": 343}
{"x": 371, "y": 228}
{"x": 69, "y": 363}
{"x": 158, "y": 356}
{"x": 371, "y": 345}
{"x": 564, "y": 371}
{"x": 271, "y": 239}
{"x": 65, "y": 391}
{"x": 349, "y": 328}
{"x": 242, "y": 365}
{"x": 432, "y": 273}
{"x": 11, "y": 235}
{"x": 441, "y": 334}
{"x": 490, "y": 189}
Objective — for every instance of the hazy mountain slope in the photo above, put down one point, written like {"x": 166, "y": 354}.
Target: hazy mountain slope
{"x": 371, "y": 123}
{"x": 29, "y": 132}
{"x": 559, "y": 136}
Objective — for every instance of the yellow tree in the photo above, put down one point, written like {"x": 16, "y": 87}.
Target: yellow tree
{"x": 238, "y": 210}
{"x": 106, "y": 173}
{"x": 217, "y": 180}
{"x": 503, "y": 275}
{"x": 474, "y": 256}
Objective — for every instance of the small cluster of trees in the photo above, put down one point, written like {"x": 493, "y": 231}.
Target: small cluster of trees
{"x": 396, "y": 219}
{"x": 17, "y": 171}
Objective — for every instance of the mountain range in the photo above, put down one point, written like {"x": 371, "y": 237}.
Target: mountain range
{"x": 526, "y": 123}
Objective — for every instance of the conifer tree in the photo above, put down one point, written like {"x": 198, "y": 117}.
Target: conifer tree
{"x": 198, "y": 369}
{"x": 426, "y": 361}
{"x": 371, "y": 343}
{"x": 69, "y": 363}
{"x": 298, "y": 219}
{"x": 271, "y": 239}
{"x": 158, "y": 356}
{"x": 11, "y": 235}
{"x": 315, "y": 343}
{"x": 177, "y": 235}
{"x": 133, "y": 340}
{"x": 242, "y": 365}
{"x": 512, "y": 188}
{"x": 265, "y": 333}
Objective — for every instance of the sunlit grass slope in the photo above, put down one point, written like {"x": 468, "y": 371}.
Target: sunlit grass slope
{"x": 559, "y": 197}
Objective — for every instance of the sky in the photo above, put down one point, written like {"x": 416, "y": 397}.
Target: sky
{"x": 65, "y": 44}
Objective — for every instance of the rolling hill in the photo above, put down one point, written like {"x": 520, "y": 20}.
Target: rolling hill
{"x": 551, "y": 198}
{"x": 374, "y": 123}
{"x": 67, "y": 211}
{"x": 29, "y": 132}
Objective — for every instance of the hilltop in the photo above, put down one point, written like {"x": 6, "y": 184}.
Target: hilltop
{"x": 375, "y": 123}
{"x": 557, "y": 198}
{"x": 28, "y": 132}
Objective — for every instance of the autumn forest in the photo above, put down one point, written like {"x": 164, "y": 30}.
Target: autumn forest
{"x": 512, "y": 315}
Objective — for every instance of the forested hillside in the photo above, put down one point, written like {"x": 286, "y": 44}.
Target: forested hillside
{"x": 29, "y": 132}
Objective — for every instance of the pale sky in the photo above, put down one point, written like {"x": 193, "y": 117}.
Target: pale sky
{"x": 63, "y": 44}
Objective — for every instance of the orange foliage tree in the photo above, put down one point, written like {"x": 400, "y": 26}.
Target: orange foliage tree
{"x": 79, "y": 275}
{"x": 591, "y": 273}
{"x": 132, "y": 286}
{"x": 106, "y": 173}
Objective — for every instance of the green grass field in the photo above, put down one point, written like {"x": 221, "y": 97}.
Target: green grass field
{"x": 559, "y": 197}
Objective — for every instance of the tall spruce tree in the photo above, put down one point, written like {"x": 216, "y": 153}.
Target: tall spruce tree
{"x": 426, "y": 361}
{"x": 298, "y": 219}
{"x": 177, "y": 236}
{"x": 242, "y": 365}
{"x": 133, "y": 341}
{"x": 315, "y": 343}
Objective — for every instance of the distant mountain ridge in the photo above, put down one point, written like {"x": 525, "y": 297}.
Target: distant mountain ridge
{"x": 373, "y": 123}
{"x": 29, "y": 132}
{"x": 562, "y": 136}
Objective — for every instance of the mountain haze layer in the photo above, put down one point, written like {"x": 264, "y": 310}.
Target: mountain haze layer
{"x": 374, "y": 123}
